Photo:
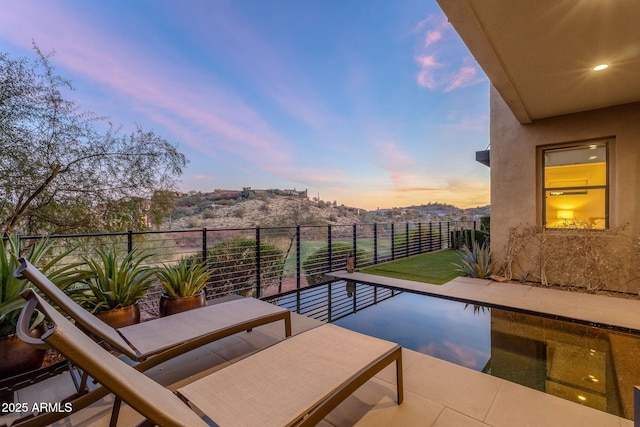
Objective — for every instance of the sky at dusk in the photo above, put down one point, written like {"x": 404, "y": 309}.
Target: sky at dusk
{"x": 371, "y": 103}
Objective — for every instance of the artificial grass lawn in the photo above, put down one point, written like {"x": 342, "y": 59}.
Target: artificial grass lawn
{"x": 434, "y": 267}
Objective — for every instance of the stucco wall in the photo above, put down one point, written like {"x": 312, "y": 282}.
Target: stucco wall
{"x": 516, "y": 194}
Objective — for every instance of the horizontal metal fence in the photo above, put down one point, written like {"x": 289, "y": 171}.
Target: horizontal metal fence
{"x": 333, "y": 300}
{"x": 264, "y": 261}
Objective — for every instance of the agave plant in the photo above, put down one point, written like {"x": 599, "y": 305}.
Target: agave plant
{"x": 476, "y": 262}
{"x": 10, "y": 287}
{"x": 184, "y": 279}
{"x": 110, "y": 284}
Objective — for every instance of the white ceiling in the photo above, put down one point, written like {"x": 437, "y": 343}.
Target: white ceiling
{"x": 539, "y": 54}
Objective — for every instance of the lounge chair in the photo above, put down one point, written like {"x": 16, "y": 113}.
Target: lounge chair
{"x": 150, "y": 343}
{"x": 297, "y": 381}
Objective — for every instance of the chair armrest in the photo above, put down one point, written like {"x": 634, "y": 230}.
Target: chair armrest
{"x": 24, "y": 320}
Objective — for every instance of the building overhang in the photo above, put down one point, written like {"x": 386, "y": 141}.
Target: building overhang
{"x": 540, "y": 54}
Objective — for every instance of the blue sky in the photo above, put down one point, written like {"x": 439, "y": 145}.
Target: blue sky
{"x": 369, "y": 103}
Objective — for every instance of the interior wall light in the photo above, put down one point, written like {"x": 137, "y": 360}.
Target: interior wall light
{"x": 600, "y": 67}
{"x": 565, "y": 214}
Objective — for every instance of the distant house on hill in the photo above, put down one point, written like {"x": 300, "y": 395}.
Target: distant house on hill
{"x": 226, "y": 194}
{"x": 248, "y": 192}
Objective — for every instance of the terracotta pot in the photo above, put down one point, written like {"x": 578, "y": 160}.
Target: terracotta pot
{"x": 172, "y": 305}
{"x": 17, "y": 357}
{"x": 121, "y": 317}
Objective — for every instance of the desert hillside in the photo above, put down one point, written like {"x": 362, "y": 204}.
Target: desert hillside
{"x": 276, "y": 208}
{"x": 264, "y": 211}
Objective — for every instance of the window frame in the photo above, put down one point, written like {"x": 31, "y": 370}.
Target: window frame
{"x": 607, "y": 142}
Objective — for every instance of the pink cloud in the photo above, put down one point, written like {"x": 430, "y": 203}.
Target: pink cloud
{"x": 431, "y": 37}
{"x": 400, "y": 166}
{"x": 428, "y": 61}
{"x": 175, "y": 97}
{"x": 455, "y": 353}
{"x": 436, "y": 71}
{"x": 465, "y": 76}
{"x": 426, "y": 76}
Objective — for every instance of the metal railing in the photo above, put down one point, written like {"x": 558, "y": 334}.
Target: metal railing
{"x": 333, "y": 300}
{"x": 263, "y": 261}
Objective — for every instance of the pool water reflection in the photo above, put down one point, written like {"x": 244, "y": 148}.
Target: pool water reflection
{"x": 588, "y": 365}
{"x": 444, "y": 329}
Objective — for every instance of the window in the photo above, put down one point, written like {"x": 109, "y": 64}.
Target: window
{"x": 576, "y": 186}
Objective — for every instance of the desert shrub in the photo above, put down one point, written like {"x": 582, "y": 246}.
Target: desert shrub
{"x": 466, "y": 238}
{"x": 475, "y": 261}
{"x": 317, "y": 263}
{"x": 485, "y": 223}
{"x": 193, "y": 222}
{"x": 233, "y": 268}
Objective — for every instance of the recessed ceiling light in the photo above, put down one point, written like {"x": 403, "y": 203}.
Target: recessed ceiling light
{"x": 600, "y": 67}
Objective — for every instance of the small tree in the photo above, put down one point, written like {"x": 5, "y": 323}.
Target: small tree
{"x": 58, "y": 172}
{"x": 233, "y": 269}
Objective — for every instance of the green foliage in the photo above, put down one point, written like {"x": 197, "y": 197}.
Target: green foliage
{"x": 184, "y": 279}
{"x": 233, "y": 269}
{"x": 163, "y": 202}
{"x": 109, "y": 283}
{"x": 476, "y": 262}
{"x": 60, "y": 171}
{"x": 316, "y": 264}
{"x": 485, "y": 223}
{"x": 10, "y": 287}
{"x": 462, "y": 238}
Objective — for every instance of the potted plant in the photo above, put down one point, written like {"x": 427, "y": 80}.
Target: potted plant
{"x": 184, "y": 286}
{"x": 112, "y": 288}
{"x": 15, "y": 356}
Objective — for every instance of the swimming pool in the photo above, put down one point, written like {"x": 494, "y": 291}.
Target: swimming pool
{"x": 582, "y": 363}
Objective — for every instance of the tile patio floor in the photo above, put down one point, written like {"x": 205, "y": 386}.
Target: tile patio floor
{"x": 437, "y": 393}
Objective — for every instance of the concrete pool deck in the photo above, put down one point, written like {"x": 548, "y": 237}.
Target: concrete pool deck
{"x": 437, "y": 393}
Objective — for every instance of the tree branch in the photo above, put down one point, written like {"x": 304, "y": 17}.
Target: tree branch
{"x": 21, "y": 209}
